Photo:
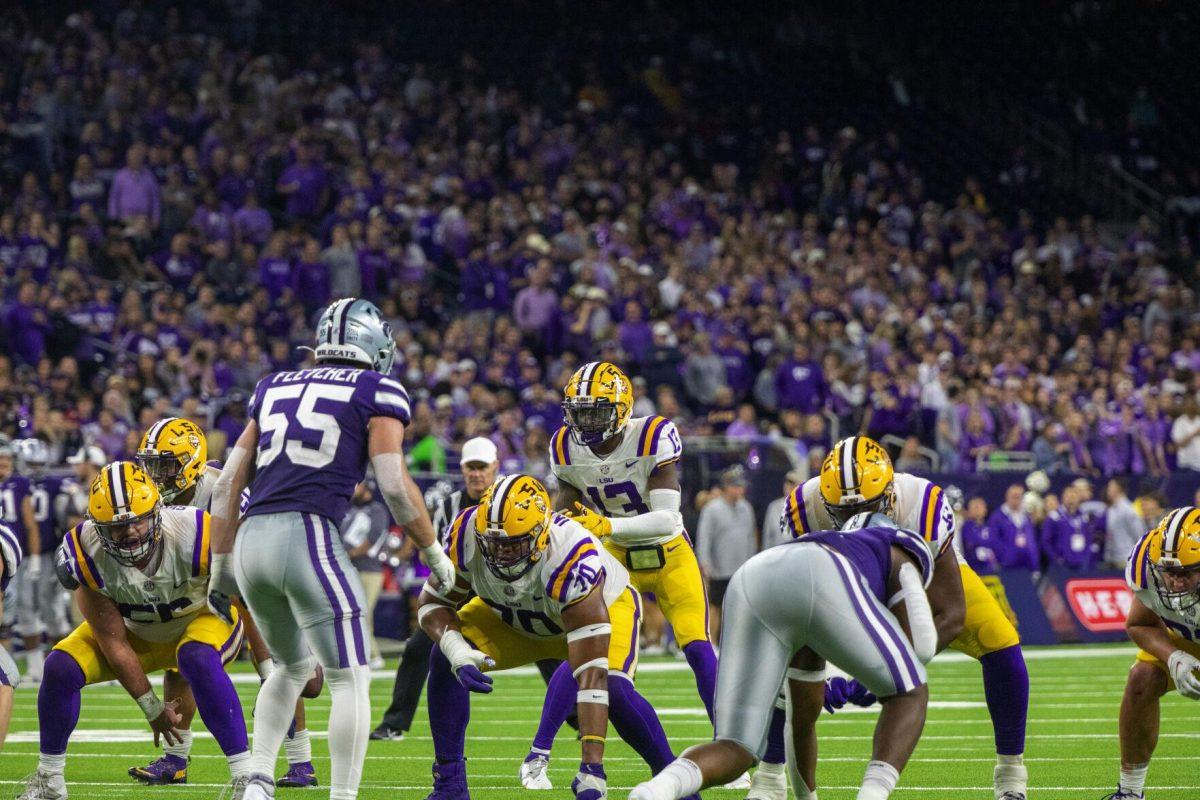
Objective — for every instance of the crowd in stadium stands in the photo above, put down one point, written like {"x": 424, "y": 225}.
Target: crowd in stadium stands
{"x": 173, "y": 217}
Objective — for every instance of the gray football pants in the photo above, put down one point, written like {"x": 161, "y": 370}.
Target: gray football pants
{"x": 790, "y": 597}
{"x": 294, "y": 576}
{"x": 42, "y": 603}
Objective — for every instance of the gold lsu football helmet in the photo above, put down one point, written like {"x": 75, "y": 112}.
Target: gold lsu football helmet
{"x": 597, "y": 402}
{"x": 857, "y": 476}
{"x": 1174, "y": 556}
{"x": 174, "y": 453}
{"x": 125, "y": 506}
{"x": 512, "y": 525}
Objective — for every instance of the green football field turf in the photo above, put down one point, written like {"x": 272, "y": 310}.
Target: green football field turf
{"x": 1072, "y": 747}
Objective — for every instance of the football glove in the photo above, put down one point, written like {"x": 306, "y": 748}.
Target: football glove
{"x": 597, "y": 524}
{"x": 441, "y": 568}
{"x": 590, "y": 783}
{"x": 222, "y": 587}
{"x": 839, "y": 691}
{"x": 467, "y": 662}
{"x": 1182, "y": 667}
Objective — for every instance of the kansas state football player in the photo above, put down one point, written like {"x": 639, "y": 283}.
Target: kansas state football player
{"x": 311, "y": 433}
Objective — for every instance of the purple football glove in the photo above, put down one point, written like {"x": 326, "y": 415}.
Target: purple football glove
{"x": 473, "y": 680}
{"x": 839, "y": 691}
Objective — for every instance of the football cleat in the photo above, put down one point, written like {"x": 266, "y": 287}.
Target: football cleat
{"x": 298, "y": 776}
{"x": 253, "y": 787}
{"x": 533, "y": 772}
{"x": 768, "y": 783}
{"x": 740, "y": 782}
{"x": 44, "y": 786}
{"x": 1015, "y": 796}
{"x": 449, "y": 782}
{"x": 163, "y": 771}
{"x": 1121, "y": 794}
{"x": 386, "y": 733}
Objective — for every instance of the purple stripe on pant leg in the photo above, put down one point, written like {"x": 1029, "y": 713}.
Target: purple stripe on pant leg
{"x": 898, "y": 639}
{"x": 893, "y": 668}
{"x": 343, "y": 658}
{"x": 198, "y": 547}
{"x": 637, "y": 621}
{"x": 355, "y": 612}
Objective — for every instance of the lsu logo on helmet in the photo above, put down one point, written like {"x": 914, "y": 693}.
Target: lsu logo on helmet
{"x": 857, "y": 477}
{"x": 125, "y": 506}
{"x": 512, "y": 526}
{"x": 174, "y": 453}
{"x": 1174, "y": 552}
{"x": 597, "y": 402}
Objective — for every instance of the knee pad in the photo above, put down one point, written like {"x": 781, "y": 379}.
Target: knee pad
{"x": 62, "y": 672}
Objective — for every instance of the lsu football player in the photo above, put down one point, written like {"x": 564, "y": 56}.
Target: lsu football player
{"x": 140, "y": 574}
{"x": 1164, "y": 621}
{"x": 857, "y": 476}
{"x": 626, "y": 470}
{"x": 10, "y": 679}
{"x": 174, "y": 453}
{"x": 544, "y": 589}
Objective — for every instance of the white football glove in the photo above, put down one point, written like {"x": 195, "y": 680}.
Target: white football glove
{"x": 441, "y": 568}
{"x": 222, "y": 586}
{"x": 1182, "y": 667}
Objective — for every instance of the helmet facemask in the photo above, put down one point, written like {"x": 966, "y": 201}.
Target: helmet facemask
{"x": 131, "y": 541}
{"x": 510, "y": 557}
{"x": 885, "y": 503}
{"x": 165, "y": 469}
{"x": 592, "y": 420}
{"x": 1183, "y": 600}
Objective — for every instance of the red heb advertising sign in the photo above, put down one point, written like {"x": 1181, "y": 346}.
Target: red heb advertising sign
{"x": 1100, "y": 604}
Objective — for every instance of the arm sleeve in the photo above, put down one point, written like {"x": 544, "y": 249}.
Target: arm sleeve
{"x": 664, "y": 519}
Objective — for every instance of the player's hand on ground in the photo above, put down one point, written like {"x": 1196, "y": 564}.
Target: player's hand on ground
{"x": 166, "y": 725}
{"x": 473, "y": 680}
{"x": 590, "y": 783}
{"x": 1183, "y": 667}
{"x": 599, "y": 525}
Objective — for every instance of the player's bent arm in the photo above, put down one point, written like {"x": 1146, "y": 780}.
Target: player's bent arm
{"x": 567, "y": 496}
{"x": 664, "y": 517}
{"x": 225, "y": 505}
{"x": 946, "y": 599}
{"x": 588, "y": 633}
{"x": 1148, "y": 632}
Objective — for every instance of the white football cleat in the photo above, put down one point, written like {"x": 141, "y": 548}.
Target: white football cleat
{"x": 740, "y": 782}
{"x": 769, "y": 783}
{"x": 533, "y": 773}
{"x": 44, "y": 786}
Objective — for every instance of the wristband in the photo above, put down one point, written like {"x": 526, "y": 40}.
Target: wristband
{"x": 595, "y": 663}
{"x": 597, "y": 696}
{"x": 588, "y": 631}
{"x": 150, "y": 705}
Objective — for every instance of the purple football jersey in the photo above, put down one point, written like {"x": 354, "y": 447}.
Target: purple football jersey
{"x": 312, "y": 445}
{"x": 870, "y": 551}
{"x": 13, "y": 491}
{"x": 45, "y": 491}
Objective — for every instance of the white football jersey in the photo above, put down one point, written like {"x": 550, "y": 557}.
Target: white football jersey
{"x": 920, "y": 507}
{"x": 616, "y": 484}
{"x": 572, "y": 566}
{"x": 1143, "y": 583}
{"x": 204, "y": 488}
{"x": 159, "y": 602}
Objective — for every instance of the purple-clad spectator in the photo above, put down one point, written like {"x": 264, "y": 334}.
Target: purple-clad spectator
{"x": 980, "y": 544}
{"x": 374, "y": 265}
{"x": 1013, "y": 528}
{"x": 27, "y": 325}
{"x": 310, "y": 277}
{"x": 1066, "y": 538}
{"x": 735, "y": 354}
{"x": 212, "y": 220}
{"x": 135, "y": 193}
{"x": 275, "y": 267}
{"x": 634, "y": 334}
{"x": 974, "y": 443}
{"x": 305, "y": 184}
{"x": 800, "y": 382}
{"x": 537, "y": 304}
{"x": 235, "y": 186}
{"x": 252, "y": 223}
{"x": 703, "y": 372}
{"x": 177, "y": 264}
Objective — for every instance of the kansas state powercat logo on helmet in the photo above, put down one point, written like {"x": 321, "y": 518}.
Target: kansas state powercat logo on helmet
{"x": 352, "y": 329}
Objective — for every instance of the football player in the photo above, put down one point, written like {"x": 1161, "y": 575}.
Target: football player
{"x": 857, "y": 476}
{"x": 140, "y": 574}
{"x": 306, "y": 445}
{"x": 17, "y": 511}
{"x": 544, "y": 589}
{"x": 42, "y": 610}
{"x": 174, "y": 453}
{"x": 10, "y": 679}
{"x": 1164, "y": 621}
{"x": 619, "y": 477}
{"x": 855, "y": 598}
